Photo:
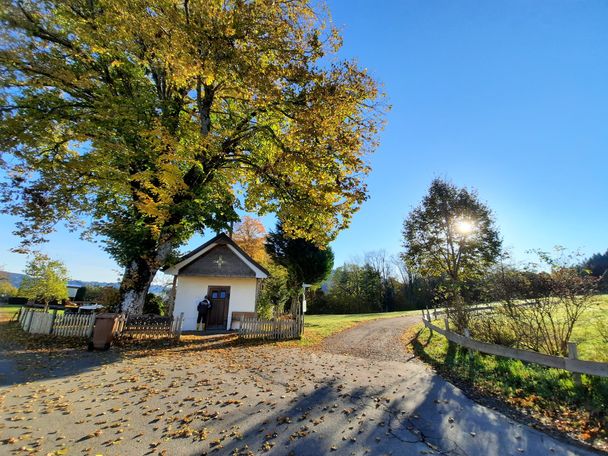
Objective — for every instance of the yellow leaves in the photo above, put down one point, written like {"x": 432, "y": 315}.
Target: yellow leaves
{"x": 60, "y": 452}
{"x": 98, "y": 49}
{"x": 267, "y": 446}
{"x": 281, "y": 125}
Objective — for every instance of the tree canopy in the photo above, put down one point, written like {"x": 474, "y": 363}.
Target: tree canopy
{"x": 597, "y": 264}
{"x": 451, "y": 235}
{"x": 45, "y": 280}
{"x": 6, "y": 288}
{"x": 144, "y": 122}
{"x": 250, "y": 235}
{"x": 305, "y": 262}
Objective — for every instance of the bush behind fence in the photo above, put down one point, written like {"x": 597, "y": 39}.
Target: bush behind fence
{"x": 571, "y": 364}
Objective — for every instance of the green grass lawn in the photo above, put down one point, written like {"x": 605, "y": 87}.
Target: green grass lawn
{"x": 6, "y": 311}
{"x": 591, "y": 344}
{"x": 318, "y": 327}
{"x": 550, "y": 395}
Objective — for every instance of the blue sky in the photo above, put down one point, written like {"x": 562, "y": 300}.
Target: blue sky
{"x": 507, "y": 97}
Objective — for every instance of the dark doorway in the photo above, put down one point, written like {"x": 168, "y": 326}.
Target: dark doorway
{"x": 219, "y": 296}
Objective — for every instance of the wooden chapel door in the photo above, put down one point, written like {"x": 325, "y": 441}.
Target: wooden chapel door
{"x": 220, "y": 297}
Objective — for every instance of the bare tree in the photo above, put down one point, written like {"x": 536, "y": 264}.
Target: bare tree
{"x": 402, "y": 270}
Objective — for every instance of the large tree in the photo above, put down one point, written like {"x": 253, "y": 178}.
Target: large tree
{"x": 146, "y": 121}
{"x": 306, "y": 263}
{"x": 355, "y": 288}
{"x": 451, "y": 235}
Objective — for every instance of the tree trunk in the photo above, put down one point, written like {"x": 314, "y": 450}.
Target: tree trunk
{"x": 138, "y": 277}
{"x": 134, "y": 287}
{"x": 295, "y": 303}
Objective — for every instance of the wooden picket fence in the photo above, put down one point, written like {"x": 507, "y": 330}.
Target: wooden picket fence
{"x": 150, "y": 327}
{"x": 75, "y": 325}
{"x": 37, "y": 321}
{"x": 252, "y": 328}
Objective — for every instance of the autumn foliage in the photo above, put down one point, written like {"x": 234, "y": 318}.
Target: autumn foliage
{"x": 145, "y": 122}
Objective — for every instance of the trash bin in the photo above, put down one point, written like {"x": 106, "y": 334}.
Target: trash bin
{"x": 103, "y": 333}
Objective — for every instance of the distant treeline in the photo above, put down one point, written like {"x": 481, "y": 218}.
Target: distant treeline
{"x": 382, "y": 283}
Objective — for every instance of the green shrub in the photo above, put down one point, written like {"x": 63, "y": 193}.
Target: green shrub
{"x": 154, "y": 304}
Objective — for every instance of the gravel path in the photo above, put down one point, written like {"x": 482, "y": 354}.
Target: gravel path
{"x": 378, "y": 339}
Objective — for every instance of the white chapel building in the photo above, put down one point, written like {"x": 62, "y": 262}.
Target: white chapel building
{"x": 223, "y": 271}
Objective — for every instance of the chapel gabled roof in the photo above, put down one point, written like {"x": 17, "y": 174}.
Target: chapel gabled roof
{"x": 221, "y": 239}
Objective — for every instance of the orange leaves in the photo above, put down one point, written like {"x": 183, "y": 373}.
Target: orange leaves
{"x": 250, "y": 235}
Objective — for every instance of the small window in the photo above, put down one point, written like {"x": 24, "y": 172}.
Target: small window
{"x": 214, "y": 295}
{"x": 222, "y": 294}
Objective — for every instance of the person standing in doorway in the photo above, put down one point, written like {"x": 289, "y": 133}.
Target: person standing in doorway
{"x": 203, "y": 309}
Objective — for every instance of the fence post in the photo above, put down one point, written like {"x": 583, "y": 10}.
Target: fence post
{"x": 29, "y": 323}
{"x": 53, "y": 321}
{"x": 470, "y": 351}
{"x": 447, "y": 323}
{"x": 22, "y": 317}
{"x": 179, "y": 327}
{"x": 91, "y": 325}
{"x": 573, "y": 354}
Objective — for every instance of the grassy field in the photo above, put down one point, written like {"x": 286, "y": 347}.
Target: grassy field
{"x": 591, "y": 343}
{"x": 551, "y": 396}
{"x": 6, "y": 312}
{"x": 318, "y": 327}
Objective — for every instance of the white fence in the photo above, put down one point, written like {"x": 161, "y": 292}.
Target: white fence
{"x": 252, "y": 328}
{"x": 37, "y": 321}
{"x": 571, "y": 363}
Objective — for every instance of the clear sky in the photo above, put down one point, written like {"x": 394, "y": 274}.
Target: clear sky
{"x": 507, "y": 97}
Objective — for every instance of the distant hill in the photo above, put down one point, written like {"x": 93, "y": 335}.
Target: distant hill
{"x": 16, "y": 278}
{"x": 13, "y": 277}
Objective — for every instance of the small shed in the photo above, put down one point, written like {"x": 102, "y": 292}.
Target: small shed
{"x": 222, "y": 270}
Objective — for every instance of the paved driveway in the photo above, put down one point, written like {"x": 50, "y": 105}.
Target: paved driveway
{"x": 448, "y": 420}
{"x": 209, "y": 397}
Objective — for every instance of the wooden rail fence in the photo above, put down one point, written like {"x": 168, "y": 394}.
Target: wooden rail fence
{"x": 252, "y": 328}
{"x": 571, "y": 363}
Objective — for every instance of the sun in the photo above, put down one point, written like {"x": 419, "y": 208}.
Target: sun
{"x": 464, "y": 226}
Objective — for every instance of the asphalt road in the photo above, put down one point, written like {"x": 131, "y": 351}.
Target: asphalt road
{"x": 211, "y": 397}
{"x": 381, "y": 340}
